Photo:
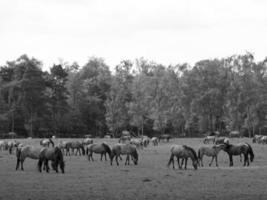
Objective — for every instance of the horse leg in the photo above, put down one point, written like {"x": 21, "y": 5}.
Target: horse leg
{"x": 127, "y": 159}
{"x": 101, "y": 156}
{"x": 201, "y": 160}
{"x": 40, "y": 165}
{"x": 117, "y": 160}
{"x": 46, "y": 165}
{"x": 18, "y": 161}
{"x": 240, "y": 157}
{"x": 185, "y": 163}
{"x": 211, "y": 160}
{"x": 231, "y": 160}
{"x": 105, "y": 156}
{"x": 21, "y": 164}
{"x": 178, "y": 162}
{"x": 216, "y": 159}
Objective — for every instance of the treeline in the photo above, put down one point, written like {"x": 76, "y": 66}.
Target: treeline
{"x": 141, "y": 96}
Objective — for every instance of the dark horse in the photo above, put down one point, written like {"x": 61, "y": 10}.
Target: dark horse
{"x": 238, "y": 149}
{"x": 55, "y": 155}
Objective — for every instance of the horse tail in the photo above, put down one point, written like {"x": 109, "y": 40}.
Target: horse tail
{"x": 51, "y": 141}
{"x": 250, "y": 151}
{"x": 107, "y": 149}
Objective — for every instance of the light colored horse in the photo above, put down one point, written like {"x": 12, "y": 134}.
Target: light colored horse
{"x": 222, "y": 140}
{"x": 102, "y": 149}
{"x": 125, "y": 139}
{"x": 11, "y": 145}
{"x": 145, "y": 140}
{"x": 87, "y": 141}
{"x": 138, "y": 142}
{"x": 27, "y": 151}
{"x": 124, "y": 149}
{"x": 209, "y": 139}
{"x": 184, "y": 152}
{"x": 46, "y": 142}
{"x": 3, "y": 145}
{"x": 263, "y": 139}
{"x": 210, "y": 152}
{"x": 155, "y": 141}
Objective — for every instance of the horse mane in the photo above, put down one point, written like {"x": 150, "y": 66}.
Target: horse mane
{"x": 53, "y": 144}
{"x": 107, "y": 148}
{"x": 191, "y": 150}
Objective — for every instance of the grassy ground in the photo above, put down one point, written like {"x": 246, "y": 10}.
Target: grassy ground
{"x": 150, "y": 179}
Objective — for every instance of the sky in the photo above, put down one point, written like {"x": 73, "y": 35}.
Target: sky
{"x": 165, "y": 31}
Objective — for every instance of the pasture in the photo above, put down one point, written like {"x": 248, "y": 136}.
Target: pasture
{"x": 150, "y": 179}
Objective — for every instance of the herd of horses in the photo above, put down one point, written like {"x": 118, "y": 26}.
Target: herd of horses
{"x": 128, "y": 146}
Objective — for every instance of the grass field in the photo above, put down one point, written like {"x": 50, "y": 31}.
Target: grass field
{"x": 150, "y": 179}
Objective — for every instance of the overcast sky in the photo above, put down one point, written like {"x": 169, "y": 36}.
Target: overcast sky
{"x": 168, "y": 32}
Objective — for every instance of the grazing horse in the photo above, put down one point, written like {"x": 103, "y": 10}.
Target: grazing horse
{"x": 124, "y": 149}
{"x": 209, "y": 139}
{"x": 184, "y": 152}
{"x": 155, "y": 141}
{"x": 55, "y": 155}
{"x": 166, "y": 137}
{"x": 46, "y": 142}
{"x": 211, "y": 152}
{"x": 75, "y": 145}
{"x": 145, "y": 140}
{"x": 238, "y": 149}
{"x": 102, "y": 149}
{"x": 27, "y": 151}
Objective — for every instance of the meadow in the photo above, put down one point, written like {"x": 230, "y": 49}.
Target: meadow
{"x": 150, "y": 179}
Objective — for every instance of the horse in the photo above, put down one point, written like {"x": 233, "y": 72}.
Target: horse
{"x": 257, "y": 139}
{"x": 11, "y": 144}
{"x": 138, "y": 142}
{"x": 166, "y": 137}
{"x": 184, "y": 152}
{"x": 74, "y": 145}
{"x": 155, "y": 141}
{"x": 222, "y": 140}
{"x": 263, "y": 140}
{"x": 125, "y": 139}
{"x": 145, "y": 140}
{"x": 124, "y": 149}
{"x": 87, "y": 141}
{"x": 211, "y": 152}
{"x": 102, "y": 149}
{"x": 209, "y": 139}
{"x": 234, "y": 134}
{"x": 3, "y": 145}
{"x": 27, "y": 151}
{"x": 46, "y": 142}
{"x": 55, "y": 155}
{"x": 238, "y": 149}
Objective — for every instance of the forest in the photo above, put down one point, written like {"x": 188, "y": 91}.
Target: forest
{"x": 140, "y": 96}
